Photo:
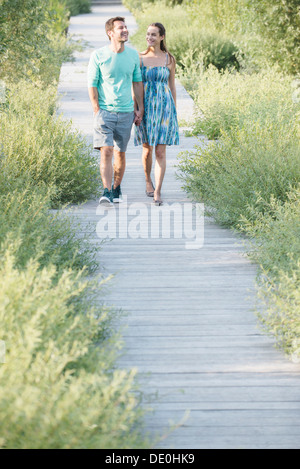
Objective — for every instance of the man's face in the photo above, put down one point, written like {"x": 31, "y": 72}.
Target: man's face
{"x": 120, "y": 32}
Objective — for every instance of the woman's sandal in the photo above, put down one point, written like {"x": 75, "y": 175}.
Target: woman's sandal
{"x": 151, "y": 193}
{"x": 158, "y": 203}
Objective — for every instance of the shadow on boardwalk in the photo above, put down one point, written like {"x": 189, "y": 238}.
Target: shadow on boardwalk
{"x": 190, "y": 330}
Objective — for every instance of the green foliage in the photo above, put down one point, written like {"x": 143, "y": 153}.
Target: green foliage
{"x": 42, "y": 147}
{"x": 275, "y": 227}
{"x": 278, "y": 23}
{"x": 213, "y": 47}
{"x": 279, "y": 314}
{"x": 48, "y": 237}
{"x": 28, "y": 38}
{"x": 33, "y": 43}
{"x": 267, "y": 31}
{"x": 59, "y": 390}
{"x": 259, "y": 32}
{"x": 225, "y": 101}
{"x": 258, "y": 160}
{"x": 276, "y": 247}
{"x": 77, "y": 7}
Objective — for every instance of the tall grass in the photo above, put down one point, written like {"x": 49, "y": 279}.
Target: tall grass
{"x": 276, "y": 248}
{"x": 59, "y": 390}
{"x": 233, "y": 100}
{"x": 214, "y": 47}
{"x": 44, "y": 148}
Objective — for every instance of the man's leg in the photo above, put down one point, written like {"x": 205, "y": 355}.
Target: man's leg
{"x": 106, "y": 168}
{"x": 121, "y": 138}
{"x": 119, "y": 167}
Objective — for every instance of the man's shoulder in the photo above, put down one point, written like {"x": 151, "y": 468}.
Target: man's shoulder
{"x": 133, "y": 52}
{"x": 101, "y": 52}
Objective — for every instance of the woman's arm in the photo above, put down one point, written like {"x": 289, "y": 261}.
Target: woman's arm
{"x": 172, "y": 84}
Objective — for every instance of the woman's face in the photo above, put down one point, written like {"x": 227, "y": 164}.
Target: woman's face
{"x": 153, "y": 36}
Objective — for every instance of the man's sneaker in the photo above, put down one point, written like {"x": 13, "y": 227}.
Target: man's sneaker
{"x": 106, "y": 199}
{"x": 117, "y": 195}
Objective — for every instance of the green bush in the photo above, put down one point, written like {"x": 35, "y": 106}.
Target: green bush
{"x": 44, "y": 148}
{"x": 76, "y": 7}
{"x": 268, "y": 31}
{"x": 225, "y": 100}
{"x": 279, "y": 309}
{"x": 213, "y": 47}
{"x": 48, "y": 237}
{"x": 32, "y": 43}
{"x": 275, "y": 229}
{"x": 59, "y": 390}
{"x": 258, "y": 160}
{"x": 278, "y": 24}
{"x": 276, "y": 248}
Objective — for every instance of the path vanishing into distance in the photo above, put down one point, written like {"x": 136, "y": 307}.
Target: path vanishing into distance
{"x": 190, "y": 329}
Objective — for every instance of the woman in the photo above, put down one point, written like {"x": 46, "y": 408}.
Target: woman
{"x": 159, "y": 126}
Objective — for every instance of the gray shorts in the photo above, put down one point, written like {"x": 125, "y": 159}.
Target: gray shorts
{"x": 112, "y": 129}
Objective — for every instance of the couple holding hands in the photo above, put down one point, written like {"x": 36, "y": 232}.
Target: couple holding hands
{"x": 127, "y": 88}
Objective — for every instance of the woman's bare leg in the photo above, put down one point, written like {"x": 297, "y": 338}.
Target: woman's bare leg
{"x": 147, "y": 164}
{"x": 160, "y": 170}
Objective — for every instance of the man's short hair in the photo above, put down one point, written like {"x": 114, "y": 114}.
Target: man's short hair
{"x": 109, "y": 25}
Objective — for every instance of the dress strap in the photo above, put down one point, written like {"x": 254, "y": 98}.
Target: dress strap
{"x": 142, "y": 61}
{"x": 167, "y": 59}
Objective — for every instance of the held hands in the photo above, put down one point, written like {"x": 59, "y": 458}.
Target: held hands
{"x": 138, "y": 117}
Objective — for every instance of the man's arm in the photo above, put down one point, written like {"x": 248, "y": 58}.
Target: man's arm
{"x": 93, "y": 80}
{"x": 138, "y": 90}
{"x": 94, "y": 97}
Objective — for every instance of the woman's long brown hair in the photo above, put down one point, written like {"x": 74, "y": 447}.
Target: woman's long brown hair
{"x": 163, "y": 43}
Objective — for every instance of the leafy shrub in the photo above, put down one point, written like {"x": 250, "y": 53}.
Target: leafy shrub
{"x": 44, "y": 148}
{"x": 32, "y": 43}
{"x": 275, "y": 229}
{"x": 76, "y": 7}
{"x": 214, "y": 47}
{"x": 225, "y": 100}
{"x": 48, "y": 237}
{"x": 61, "y": 390}
{"x": 256, "y": 160}
{"x": 276, "y": 248}
{"x": 279, "y": 310}
{"x": 267, "y": 31}
{"x": 278, "y": 23}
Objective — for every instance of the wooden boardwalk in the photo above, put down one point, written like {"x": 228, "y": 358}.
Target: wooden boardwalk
{"x": 190, "y": 327}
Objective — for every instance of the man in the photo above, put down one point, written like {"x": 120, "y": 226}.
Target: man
{"x": 112, "y": 73}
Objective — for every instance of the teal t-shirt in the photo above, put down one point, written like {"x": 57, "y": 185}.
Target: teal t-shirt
{"x": 112, "y": 74}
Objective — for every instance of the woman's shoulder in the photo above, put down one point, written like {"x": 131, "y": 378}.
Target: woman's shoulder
{"x": 171, "y": 60}
{"x": 142, "y": 55}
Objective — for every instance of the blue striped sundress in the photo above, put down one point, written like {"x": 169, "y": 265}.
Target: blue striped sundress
{"x": 159, "y": 125}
